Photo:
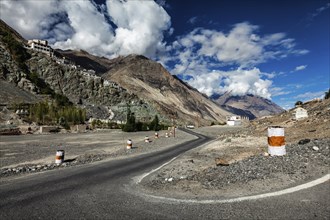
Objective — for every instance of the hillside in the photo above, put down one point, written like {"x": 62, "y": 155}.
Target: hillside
{"x": 150, "y": 81}
{"x": 316, "y": 126}
{"x": 248, "y": 105}
{"x": 133, "y": 81}
{"x": 85, "y": 60}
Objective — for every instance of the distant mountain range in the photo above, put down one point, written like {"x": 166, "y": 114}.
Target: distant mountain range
{"x": 247, "y": 105}
{"x": 134, "y": 80}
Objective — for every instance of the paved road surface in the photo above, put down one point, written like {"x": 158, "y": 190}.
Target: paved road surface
{"x": 99, "y": 191}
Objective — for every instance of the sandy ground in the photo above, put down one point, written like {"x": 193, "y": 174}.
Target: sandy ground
{"x": 41, "y": 149}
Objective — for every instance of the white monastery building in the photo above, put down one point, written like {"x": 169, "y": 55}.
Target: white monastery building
{"x": 41, "y": 46}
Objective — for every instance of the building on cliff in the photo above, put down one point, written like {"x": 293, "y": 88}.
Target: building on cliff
{"x": 41, "y": 46}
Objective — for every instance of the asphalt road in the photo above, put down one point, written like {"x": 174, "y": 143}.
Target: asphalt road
{"x": 100, "y": 191}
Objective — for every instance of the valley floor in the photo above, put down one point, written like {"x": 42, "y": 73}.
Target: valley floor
{"x": 194, "y": 174}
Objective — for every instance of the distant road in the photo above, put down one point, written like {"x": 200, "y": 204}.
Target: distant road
{"x": 97, "y": 191}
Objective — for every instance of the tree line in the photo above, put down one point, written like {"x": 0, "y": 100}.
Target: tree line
{"x": 132, "y": 125}
{"x": 51, "y": 113}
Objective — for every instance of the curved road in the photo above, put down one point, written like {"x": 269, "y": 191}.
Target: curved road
{"x": 99, "y": 191}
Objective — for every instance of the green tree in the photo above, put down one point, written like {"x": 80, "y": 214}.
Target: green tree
{"x": 130, "y": 125}
{"x": 154, "y": 124}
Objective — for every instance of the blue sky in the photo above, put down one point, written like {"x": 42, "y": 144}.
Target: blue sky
{"x": 275, "y": 49}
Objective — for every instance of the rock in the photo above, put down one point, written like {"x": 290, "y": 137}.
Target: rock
{"x": 316, "y": 148}
{"x": 266, "y": 154}
{"x": 304, "y": 141}
{"x": 170, "y": 179}
{"x": 221, "y": 162}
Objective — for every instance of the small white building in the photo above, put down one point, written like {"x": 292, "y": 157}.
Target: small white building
{"x": 41, "y": 46}
{"x": 234, "y": 120}
{"x": 300, "y": 113}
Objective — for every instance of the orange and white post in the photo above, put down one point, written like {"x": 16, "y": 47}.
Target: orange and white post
{"x": 146, "y": 139}
{"x": 276, "y": 141}
{"x": 129, "y": 144}
{"x": 59, "y": 158}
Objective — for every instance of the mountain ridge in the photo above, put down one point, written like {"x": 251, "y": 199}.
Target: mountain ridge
{"x": 248, "y": 105}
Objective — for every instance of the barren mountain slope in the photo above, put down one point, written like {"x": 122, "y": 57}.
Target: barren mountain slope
{"x": 151, "y": 81}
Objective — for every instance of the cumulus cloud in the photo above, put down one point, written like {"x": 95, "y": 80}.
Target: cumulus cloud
{"x": 137, "y": 26}
{"x": 240, "y": 46}
{"x": 140, "y": 26}
{"x": 238, "y": 82}
{"x": 29, "y": 17}
{"x": 237, "y": 52}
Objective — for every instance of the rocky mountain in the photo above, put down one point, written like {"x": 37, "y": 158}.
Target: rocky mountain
{"x": 150, "y": 81}
{"x": 34, "y": 76}
{"x": 247, "y": 105}
{"x": 102, "y": 85}
{"x": 86, "y": 60}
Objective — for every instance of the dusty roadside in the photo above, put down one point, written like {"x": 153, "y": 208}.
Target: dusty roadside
{"x": 247, "y": 169}
{"x": 25, "y": 154}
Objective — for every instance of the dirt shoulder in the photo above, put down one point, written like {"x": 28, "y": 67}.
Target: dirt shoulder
{"x": 196, "y": 175}
{"x": 25, "y": 154}
{"x": 245, "y": 168}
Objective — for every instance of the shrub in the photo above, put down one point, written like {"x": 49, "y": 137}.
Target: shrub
{"x": 327, "y": 94}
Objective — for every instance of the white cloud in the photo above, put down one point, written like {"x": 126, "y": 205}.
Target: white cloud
{"x": 238, "y": 82}
{"x": 310, "y": 95}
{"x": 29, "y": 18}
{"x": 240, "y": 46}
{"x": 241, "y": 49}
{"x": 80, "y": 25}
{"x": 299, "y": 68}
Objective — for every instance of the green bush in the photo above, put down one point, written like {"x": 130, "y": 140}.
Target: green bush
{"x": 327, "y": 94}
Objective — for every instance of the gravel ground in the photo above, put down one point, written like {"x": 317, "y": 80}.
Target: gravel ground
{"x": 248, "y": 170}
{"x": 195, "y": 174}
{"x": 34, "y": 153}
